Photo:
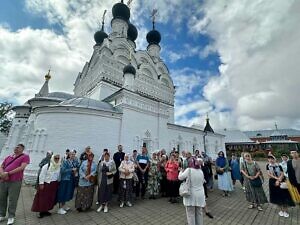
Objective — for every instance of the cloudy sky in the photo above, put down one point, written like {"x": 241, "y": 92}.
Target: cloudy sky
{"x": 237, "y": 60}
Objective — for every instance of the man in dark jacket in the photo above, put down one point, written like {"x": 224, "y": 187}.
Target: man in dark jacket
{"x": 118, "y": 158}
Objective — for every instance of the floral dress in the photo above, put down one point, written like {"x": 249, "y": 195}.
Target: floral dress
{"x": 153, "y": 181}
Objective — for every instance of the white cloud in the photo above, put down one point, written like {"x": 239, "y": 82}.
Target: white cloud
{"x": 174, "y": 57}
{"x": 258, "y": 42}
{"x": 189, "y": 81}
{"x": 25, "y": 57}
{"x": 26, "y": 54}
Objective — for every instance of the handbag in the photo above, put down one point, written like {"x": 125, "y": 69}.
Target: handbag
{"x": 135, "y": 177}
{"x": 185, "y": 187}
{"x": 93, "y": 179}
{"x": 255, "y": 182}
{"x": 220, "y": 172}
{"x": 283, "y": 185}
{"x": 110, "y": 176}
{"x": 295, "y": 195}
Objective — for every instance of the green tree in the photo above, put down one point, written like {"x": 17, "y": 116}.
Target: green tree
{"x": 6, "y": 117}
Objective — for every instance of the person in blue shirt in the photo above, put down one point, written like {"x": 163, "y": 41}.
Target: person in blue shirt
{"x": 65, "y": 193}
{"x": 87, "y": 179}
{"x": 143, "y": 163}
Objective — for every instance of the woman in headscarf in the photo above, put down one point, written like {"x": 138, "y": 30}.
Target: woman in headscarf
{"x": 224, "y": 176}
{"x": 254, "y": 193}
{"x": 106, "y": 170}
{"x": 85, "y": 190}
{"x": 126, "y": 170}
{"x": 278, "y": 196}
{"x": 153, "y": 184}
{"x": 44, "y": 199}
{"x": 196, "y": 200}
{"x": 66, "y": 187}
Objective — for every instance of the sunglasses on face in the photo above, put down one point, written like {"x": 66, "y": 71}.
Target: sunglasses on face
{"x": 56, "y": 158}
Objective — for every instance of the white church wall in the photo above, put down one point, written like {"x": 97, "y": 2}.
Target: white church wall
{"x": 182, "y": 138}
{"x": 137, "y": 128}
{"x": 78, "y": 130}
{"x": 105, "y": 90}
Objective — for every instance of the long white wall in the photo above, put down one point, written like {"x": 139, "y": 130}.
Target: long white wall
{"x": 137, "y": 128}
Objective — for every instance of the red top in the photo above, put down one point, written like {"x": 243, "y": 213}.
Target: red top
{"x": 15, "y": 164}
{"x": 172, "y": 170}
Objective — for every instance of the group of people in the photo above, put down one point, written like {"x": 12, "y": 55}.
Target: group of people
{"x": 284, "y": 179}
{"x": 135, "y": 175}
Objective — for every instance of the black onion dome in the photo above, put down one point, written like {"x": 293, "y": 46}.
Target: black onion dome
{"x": 129, "y": 69}
{"x": 208, "y": 127}
{"x": 153, "y": 37}
{"x": 99, "y": 36}
{"x": 132, "y": 32}
{"x": 121, "y": 11}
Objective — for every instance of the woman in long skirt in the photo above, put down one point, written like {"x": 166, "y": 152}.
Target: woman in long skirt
{"x": 254, "y": 194}
{"x": 106, "y": 170}
{"x": 44, "y": 199}
{"x": 67, "y": 183}
{"x": 85, "y": 190}
{"x": 153, "y": 180}
{"x": 278, "y": 196}
{"x": 235, "y": 169}
{"x": 224, "y": 176}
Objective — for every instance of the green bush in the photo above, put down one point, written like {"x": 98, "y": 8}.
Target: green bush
{"x": 259, "y": 154}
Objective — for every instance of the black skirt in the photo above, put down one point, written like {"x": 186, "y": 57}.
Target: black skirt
{"x": 279, "y": 196}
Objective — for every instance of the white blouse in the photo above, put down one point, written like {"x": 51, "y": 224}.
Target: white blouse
{"x": 197, "y": 197}
{"x": 47, "y": 176}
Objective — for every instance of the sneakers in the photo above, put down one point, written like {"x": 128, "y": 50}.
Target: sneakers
{"x": 122, "y": 205}
{"x": 281, "y": 213}
{"x": 2, "y": 218}
{"x": 252, "y": 206}
{"x": 67, "y": 209}
{"x": 97, "y": 203}
{"x": 10, "y": 221}
{"x": 259, "y": 208}
{"x": 285, "y": 214}
{"x": 61, "y": 211}
{"x": 100, "y": 208}
{"x": 128, "y": 204}
{"x": 105, "y": 209}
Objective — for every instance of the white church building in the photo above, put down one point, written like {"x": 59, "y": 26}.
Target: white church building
{"x": 122, "y": 96}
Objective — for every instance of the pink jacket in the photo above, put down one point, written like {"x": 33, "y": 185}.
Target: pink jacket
{"x": 172, "y": 170}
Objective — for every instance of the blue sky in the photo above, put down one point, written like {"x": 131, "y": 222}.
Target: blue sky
{"x": 16, "y": 16}
{"x": 227, "y": 58}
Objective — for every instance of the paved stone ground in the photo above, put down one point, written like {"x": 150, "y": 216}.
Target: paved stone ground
{"x": 227, "y": 211}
